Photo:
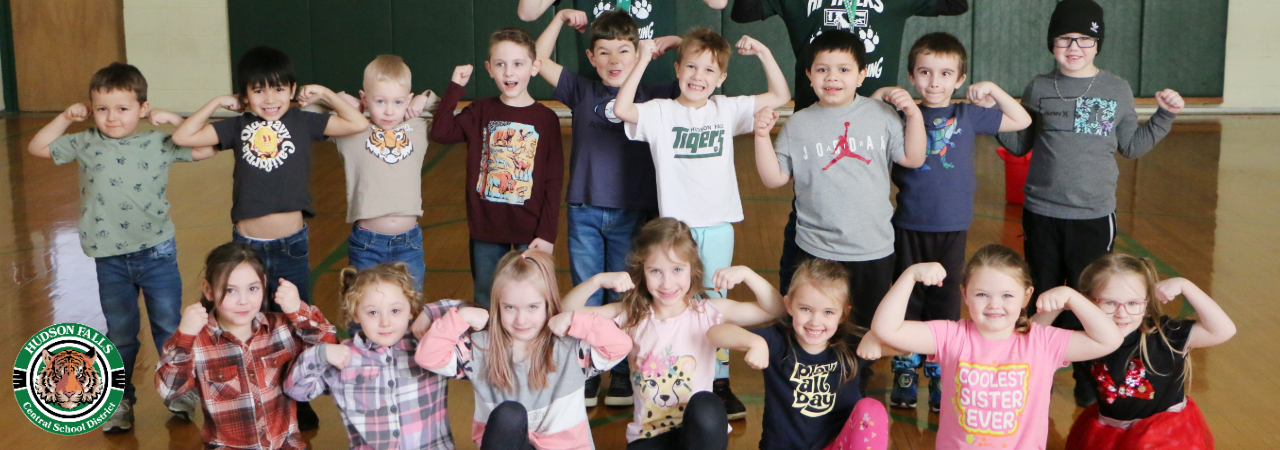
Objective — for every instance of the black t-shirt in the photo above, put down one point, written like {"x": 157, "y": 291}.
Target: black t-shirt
{"x": 273, "y": 162}
{"x": 805, "y": 403}
{"x": 1130, "y": 387}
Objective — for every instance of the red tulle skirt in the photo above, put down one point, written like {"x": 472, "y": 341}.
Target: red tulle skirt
{"x": 1183, "y": 430}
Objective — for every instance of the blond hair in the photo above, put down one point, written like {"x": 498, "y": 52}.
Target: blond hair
{"x": 539, "y": 269}
{"x": 352, "y": 285}
{"x": 1004, "y": 259}
{"x": 832, "y": 280}
{"x": 388, "y": 68}
{"x": 659, "y": 236}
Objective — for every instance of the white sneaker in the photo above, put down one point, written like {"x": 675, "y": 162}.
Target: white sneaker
{"x": 121, "y": 420}
{"x": 184, "y": 407}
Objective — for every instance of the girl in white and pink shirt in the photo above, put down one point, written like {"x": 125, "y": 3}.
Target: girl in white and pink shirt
{"x": 997, "y": 367}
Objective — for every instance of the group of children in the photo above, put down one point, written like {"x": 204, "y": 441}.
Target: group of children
{"x": 648, "y": 301}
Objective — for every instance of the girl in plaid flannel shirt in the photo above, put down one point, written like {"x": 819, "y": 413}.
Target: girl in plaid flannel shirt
{"x": 237, "y": 357}
{"x": 387, "y": 400}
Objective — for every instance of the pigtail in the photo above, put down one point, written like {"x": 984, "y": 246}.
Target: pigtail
{"x": 1023, "y": 326}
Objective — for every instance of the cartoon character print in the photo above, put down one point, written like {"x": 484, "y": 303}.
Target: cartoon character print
{"x": 665, "y": 384}
{"x": 69, "y": 378}
{"x": 940, "y": 140}
{"x": 266, "y": 144}
{"x": 1135, "y": 383}
{"x": 507, "y": 162}
{"x": 843, "y": 149}
{"x": 1096, "y": 116}
{"x": 391, "y": 146}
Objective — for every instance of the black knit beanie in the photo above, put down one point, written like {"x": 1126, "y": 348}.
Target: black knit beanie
{"x": 1076, "y": 16}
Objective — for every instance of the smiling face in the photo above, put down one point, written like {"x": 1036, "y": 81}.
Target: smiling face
{"x": 269, "y": 102}
{"x": 523, "y": 310}
{"x": 384, "y": 313}
{"x": 699, "y": 76}
{"x": 936, "y": 77}
{"x": 814, "y": 315}
{"x": 386, "y": 102}
{"x": 835, "y": 78}
{"x": 241, "y": 298}
{"x": 1124, "y": 292}
{"x": 995, "y": 300}
{"x": 511, "y": 67}
{"x": 613, "y": 60}
{"x": 117, "y": 112}
{"x": 668, "y": 278}
{"x": 1074, "y": 61}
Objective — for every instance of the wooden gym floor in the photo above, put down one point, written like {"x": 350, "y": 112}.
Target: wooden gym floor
{"x": 1203, "y": 204}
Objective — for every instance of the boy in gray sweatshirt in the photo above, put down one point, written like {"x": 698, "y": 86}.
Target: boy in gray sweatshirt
{"x": 1080, "y": 116}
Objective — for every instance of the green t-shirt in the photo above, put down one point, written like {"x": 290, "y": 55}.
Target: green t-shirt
{"x": 654, "y": 18}
{"x": 122, "y": 184}
{"x": 879, "y": 23}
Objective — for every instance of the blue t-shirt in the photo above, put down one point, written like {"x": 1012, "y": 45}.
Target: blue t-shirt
{"x": 606, "y": 169}
{"x": 805, "y": 403}
{"x": 938, "y": 196}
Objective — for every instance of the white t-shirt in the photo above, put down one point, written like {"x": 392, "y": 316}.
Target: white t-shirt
{"x": 693, "y": 155}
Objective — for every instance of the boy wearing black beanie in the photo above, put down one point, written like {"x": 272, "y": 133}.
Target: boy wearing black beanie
{"x": 1080, "y": 116}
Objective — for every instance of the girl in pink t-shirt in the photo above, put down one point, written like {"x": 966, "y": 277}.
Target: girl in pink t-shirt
{"x": 997, "y": 367}
{"x": 673, "y": 362}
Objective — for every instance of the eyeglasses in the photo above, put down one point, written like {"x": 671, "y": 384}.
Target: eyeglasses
{"x": 1083, "y": 42}
{"x": 1133, "y": 308}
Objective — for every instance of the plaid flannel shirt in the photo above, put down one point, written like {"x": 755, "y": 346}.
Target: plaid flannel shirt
{"x": 387, "y": 400}
{"x": 240, "y": 383}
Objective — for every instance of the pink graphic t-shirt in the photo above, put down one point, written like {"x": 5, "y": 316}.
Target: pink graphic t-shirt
{"x": 995, "y": 394}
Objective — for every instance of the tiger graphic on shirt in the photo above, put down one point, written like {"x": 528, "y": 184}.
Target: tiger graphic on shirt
{"x": 507, "y": 162}
{"x": 266, "y": 144}
{"x": 392, "y": 145}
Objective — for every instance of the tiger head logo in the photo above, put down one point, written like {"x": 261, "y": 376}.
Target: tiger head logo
{"x": 266, "y": 142}
{"x": 391, "y": 146}
{"x": 68, "y": 379}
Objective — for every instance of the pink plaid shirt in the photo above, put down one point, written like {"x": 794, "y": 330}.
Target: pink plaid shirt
{"x": 240, "y": 382}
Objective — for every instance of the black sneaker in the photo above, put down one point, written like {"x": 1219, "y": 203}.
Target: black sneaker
{"x": 619, "y": 392}
{"x": 732, "y": 406}
{"x": 1085, "y": 395}
{"x": 591, "y": 391}
{"x": 307, "y": 418}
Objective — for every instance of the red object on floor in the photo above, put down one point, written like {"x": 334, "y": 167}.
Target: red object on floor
{"x": 1015, "y": 175}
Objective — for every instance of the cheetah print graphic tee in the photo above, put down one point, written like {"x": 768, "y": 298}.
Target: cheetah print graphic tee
{"x": 122, "y": 185}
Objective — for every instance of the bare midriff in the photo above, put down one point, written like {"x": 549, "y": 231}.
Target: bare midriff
{"x": 271, "y": 226}
{"x": 391, "y": 225}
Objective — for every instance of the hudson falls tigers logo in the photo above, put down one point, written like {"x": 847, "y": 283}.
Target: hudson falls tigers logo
{"x": 68, "y": 379}
{"x": 391, "y": 146}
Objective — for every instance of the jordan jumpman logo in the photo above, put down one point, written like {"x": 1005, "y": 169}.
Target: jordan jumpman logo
{"x": 842, "y": 149}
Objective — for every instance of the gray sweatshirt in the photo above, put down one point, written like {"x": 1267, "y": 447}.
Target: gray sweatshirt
{"x": 1074, "y": 131}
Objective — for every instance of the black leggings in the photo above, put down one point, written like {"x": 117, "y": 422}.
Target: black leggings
{"x": 705, "y": 427}
{"x": 508, "y": 428}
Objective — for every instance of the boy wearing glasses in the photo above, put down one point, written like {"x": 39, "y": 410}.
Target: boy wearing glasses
{"x": 1080, "y": 116}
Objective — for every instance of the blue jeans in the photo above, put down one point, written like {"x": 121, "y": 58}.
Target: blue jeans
{"x": 155, "y": 272}
{"x": 484, "y": 262}
{"x": 367, "y": 248}
{"x": 282, "y": 258}
{"x": 599, "y": 240}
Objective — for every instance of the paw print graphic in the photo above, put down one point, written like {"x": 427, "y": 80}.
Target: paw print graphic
{"x": 869, "y": 39}
{"x": 600, "y": 8}
{"x": 640, "y": 9}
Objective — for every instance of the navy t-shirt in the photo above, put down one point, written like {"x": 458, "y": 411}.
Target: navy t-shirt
{"x": 805, "y": 403}
{"x": 606, "y": 169}
{"x": 938, "y": 196}
{"x": 272, "y": 173}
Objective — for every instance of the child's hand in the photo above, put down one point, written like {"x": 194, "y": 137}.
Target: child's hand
{"x": 648, "y": 49}
{"x": 287, "y": 297}
{"x": 230, "y": 103}
{"x": 901, "y": 99}
{"x": 478, "y": 318}
{"x": 1170, "y": 100}
{"x": 338, "y": 355}
{"x": 765, "y": 119}
{"x": 462, "y": 74}
{"x": 160, "y": 116}
{"x": 420, "y": 325}
{"x": 726, "y": 278}
{"x": 880, "y": 94}
{"x": 757, "y": 356}
{"x": 930, "y": 274}
{"x": 1056, "y": 299}
{"x": 980, "y": 93}
{"x": 1170, "y": 289}
{"x": 541, "y": 245}
{"x": 869, "y": 349}
{"x": 419, "y": 104}
{"x": 559, "y": 324}
{"x": 351, "y": 100}
{"x": 665, "y": 43}
{"x": 618, "y": 281}
{"x": 574, "y": 18}
{"x": 194, "y": 319}
{"x": 311, "y": 93}
{"x": 76, "y": 113}
{"x": 749, "y": 46}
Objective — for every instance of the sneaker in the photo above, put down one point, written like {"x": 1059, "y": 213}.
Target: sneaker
{"x": 905, "y": 379}
{"x": 121, "y": 420}
{"x": 620, "y": 393}
{"x": 184, "y": 407}
{"x": 307, "y": 418}
{"x": 732, "y": 406}
{"x": 934, "y": 373}
{"x": 592, "y": 391}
